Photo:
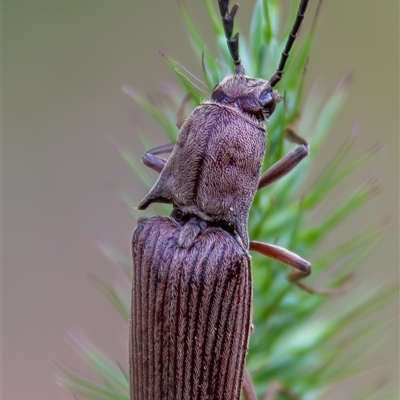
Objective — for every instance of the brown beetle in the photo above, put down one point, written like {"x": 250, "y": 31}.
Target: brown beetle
{"x": 191, "y": 291}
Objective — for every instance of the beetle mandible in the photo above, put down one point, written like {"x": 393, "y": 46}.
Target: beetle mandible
{"x": 191, "y": 290}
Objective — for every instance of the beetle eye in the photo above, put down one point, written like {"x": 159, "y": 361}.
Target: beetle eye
{"x": 267, "y": 102}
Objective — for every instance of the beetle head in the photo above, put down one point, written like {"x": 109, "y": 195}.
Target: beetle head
{"x": 233, "y": 46}
{"x": 252, "y": 96}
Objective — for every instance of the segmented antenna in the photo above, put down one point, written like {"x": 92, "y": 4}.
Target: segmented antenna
{"x": 289, "y": 43}
{"x": 233, "y": 42}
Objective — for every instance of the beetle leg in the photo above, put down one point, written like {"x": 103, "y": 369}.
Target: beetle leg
{"x": 296, "y": 277}
{"x": 283, "y": 166}
{"x": 292, "y": 136}
{"x": 282, "y": 255}
{"x": 287, "y": 163}
{"x": 303, "y": 267}
{"x": 249, "y": 392}
{"x": 276, "y": 388}
{"x": 150, "y": 159}
{"x": 153, "y": 162}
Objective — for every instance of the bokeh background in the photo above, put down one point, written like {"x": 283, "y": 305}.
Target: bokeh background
{"x": 63, "y": 66}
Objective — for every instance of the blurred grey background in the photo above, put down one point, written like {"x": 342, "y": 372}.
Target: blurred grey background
{"x": 63, "y": 65}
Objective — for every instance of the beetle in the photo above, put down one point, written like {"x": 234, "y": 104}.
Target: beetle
{"x": 192, "y": 288}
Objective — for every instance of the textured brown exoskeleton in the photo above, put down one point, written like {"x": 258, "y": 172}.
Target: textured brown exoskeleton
{"x": 191, "y": 291}
{"x": 191, "y": 311}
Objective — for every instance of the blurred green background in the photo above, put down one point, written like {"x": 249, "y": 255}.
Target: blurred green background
{"x": 63, "y": 65}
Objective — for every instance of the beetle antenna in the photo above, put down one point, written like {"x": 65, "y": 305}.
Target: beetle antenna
{"x": 289, "y": 43}
{"x": 233, "y": 42}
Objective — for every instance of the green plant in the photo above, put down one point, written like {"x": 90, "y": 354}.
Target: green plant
{"x": 294, "y": 341}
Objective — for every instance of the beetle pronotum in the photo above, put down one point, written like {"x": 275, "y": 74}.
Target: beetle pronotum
{"x": 192, "y": 289}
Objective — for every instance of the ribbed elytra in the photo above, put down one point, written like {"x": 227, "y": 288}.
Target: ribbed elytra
{"x": 191, "y": 312}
